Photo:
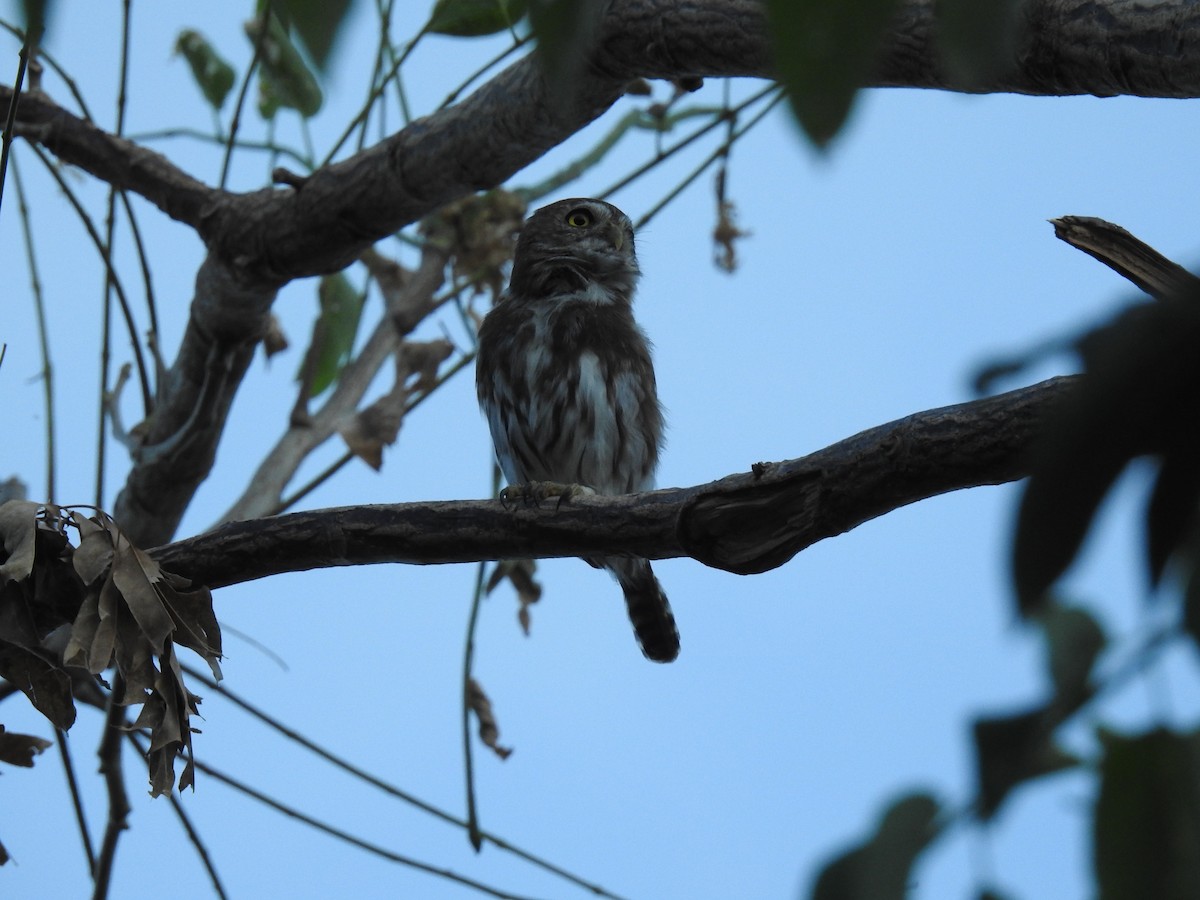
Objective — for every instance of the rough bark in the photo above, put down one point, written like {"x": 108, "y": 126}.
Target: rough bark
{"x": 745, "y": 523}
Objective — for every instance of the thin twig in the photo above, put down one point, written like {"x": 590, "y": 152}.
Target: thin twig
{"x": 45, "y": 57}
{"x": 39, "y": 306}
{"x": 114, "y": 780}
{"x": 188, "y": 827}
{"x": 720, "y": 152}
{"x": 473, "y": 833}
{"x": 517, "y": 44}
{"x": 148, "y": 283}
{"x": 634, "y": 119}
{"x": 362, "y": 115}
{"x": 659, "y": 158}
{"x": 278, "y": 150}
{"x": 110, "y": 220}
{"x": 122, "y": 297}
{"x": 346, "y": 837}
{"x": 236, "y": 121}
{"x": 199, "y": 845}
{"x": 10, "y": 122}
{"x": 85, "y": 837}
{"x": 388, "y": 788}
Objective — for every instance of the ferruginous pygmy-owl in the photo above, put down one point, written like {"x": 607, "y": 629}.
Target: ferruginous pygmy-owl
{"x": 566, "y": 383}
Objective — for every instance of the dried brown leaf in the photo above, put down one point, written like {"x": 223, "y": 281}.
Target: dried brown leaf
{"x": 134, "y": 657}
{"x": 520, "y": 573}
{"x": 489, "y": 731}
{"x": 374, "y": 428}
{"x": 377, "y": 426}
{"x": 93, "y": 634}
{"x": 46, "y": 685}
{"x": 419, "y": 362}
{"x": 93, "y": 557}
{"x": 167, "y": 714}
{"x": 18, "y": 531}
{"x": 196, "y": 625}
{"x": 480, "y": 233}
{"x": 725, "y": 237}
{"x": 274, "y": 340}
{"x": 20, "y": 749}
{"x": 135, "y": 574}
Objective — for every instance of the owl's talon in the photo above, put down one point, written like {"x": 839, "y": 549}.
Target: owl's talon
{"x": 532, "y": 493}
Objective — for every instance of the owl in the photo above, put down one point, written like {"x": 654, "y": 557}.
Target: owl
{"x": 566, "y": 383}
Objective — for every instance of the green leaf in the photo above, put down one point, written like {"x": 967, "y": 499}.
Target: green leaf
{"x": 879, "y": 867}
{"x": 825, "y": 50}
{"x": 284, "y": 79}
{"x": 214, "y": 76}
{"x": 1140, "y": 395}
{"x": 474, "y": 18}
{"x": 1147, "y": 822}
{"x": 1010, "y": 750}
{"x": 566, "y": 36}
{"x": 318, "y": 22}
{"x": 978, "y": 38}
{"x": 1171, "y": 512}
{"x": 1074, "y": 640}
{"x": 333, "y": 333}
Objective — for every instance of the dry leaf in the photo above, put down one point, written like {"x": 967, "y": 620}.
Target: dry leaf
{"x": 725, "y": 234}
{"x": 274, "y": 340}
{"x": 18, "y": 529}
{"x": 20, "y": 749}
{"x": 480, "y": 234}
{"x": 377, "y": 426}
{"x": 520, "y": 573}
{"x": 489, "y": 731}
{"x": 105, "y": 602}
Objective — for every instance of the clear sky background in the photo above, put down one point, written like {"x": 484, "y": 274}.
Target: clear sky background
{"x": 877, "y": 279}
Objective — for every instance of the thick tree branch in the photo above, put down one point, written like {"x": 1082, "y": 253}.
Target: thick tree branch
{"x": 1149, "y": 49}
{"x": 744, "y": 523}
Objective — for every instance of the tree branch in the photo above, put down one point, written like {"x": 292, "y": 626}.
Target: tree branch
{"x": 1126, "y": 255}
{"x": 745, "y": 523}
{"x": 275, "y": 235}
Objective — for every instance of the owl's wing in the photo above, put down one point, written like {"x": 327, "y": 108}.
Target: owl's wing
{"x": 499, "y": 428}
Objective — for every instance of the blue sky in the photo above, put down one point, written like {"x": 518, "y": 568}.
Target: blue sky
{"x": 877, "y": 279}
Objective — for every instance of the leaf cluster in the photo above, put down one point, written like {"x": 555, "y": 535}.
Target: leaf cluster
{"x": 69, "y": 612}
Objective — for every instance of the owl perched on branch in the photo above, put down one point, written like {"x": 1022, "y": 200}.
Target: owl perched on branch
{"x": 565, "y": 380}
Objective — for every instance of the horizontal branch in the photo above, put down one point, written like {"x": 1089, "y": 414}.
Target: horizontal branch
{"x": 745, "y": 523}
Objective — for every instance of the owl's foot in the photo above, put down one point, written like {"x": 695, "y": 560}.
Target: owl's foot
{"x": 532, "y": 493}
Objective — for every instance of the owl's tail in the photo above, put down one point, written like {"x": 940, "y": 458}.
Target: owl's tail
{"x": 649, "y": 610}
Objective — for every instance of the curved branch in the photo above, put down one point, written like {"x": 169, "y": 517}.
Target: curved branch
{"x": 745, "y": 523}
{"x": 270, "y": 236}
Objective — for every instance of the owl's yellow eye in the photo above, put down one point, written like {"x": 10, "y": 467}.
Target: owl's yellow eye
{"x": 579, "y": 218}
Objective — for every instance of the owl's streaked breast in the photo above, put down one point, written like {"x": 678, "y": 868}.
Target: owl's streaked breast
{"x": 576, "y": 379}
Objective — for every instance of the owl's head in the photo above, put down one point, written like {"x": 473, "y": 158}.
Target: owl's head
{"x": 576, "y": 245}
